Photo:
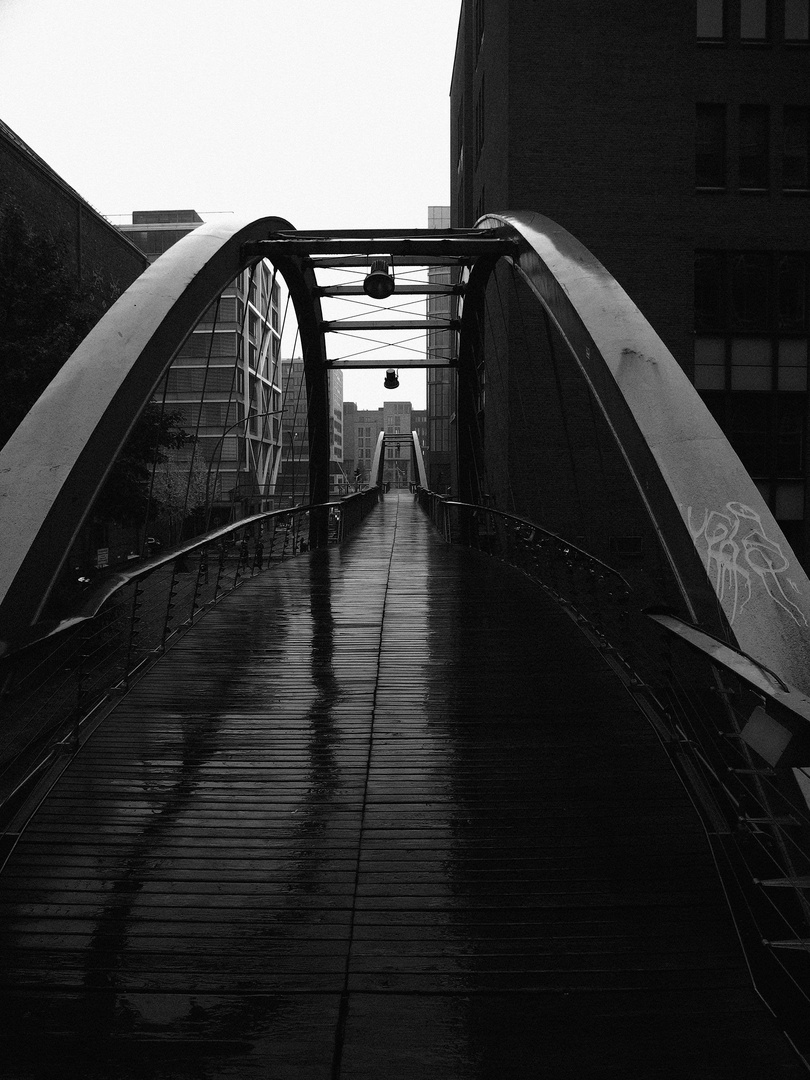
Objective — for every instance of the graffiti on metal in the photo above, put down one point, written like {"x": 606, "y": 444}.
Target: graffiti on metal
{"x": 739, "y": 556}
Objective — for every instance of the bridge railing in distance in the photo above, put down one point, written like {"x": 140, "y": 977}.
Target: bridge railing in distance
{"x": 737, "y": 735}
{"x": 59, "y": 676}
{"x": 601, "y": 593}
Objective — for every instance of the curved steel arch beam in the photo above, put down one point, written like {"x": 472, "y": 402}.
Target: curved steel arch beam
{"x": 299, "y": 275}
{"x": 735, "y": 569}
{"x": 378, "y": 462}
{"x": 57, "y": 460}
{"x": 419, "y": 470}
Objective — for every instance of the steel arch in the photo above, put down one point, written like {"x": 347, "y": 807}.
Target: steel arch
{"x": 57, "y": 460}
{"x": 736, "y": 571}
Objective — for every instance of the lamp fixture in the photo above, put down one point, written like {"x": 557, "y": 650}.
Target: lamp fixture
{"x": 379, "y": 282}
{"x": 391, "y": 380}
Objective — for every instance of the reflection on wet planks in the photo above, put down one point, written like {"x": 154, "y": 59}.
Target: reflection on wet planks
{"x": 383, "y": 813}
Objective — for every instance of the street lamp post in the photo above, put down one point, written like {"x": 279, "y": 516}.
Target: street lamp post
{"x": 244, "y": 420}
{"x": 293, "y": 470}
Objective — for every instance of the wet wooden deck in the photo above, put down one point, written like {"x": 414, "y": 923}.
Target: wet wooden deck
{"x": 383, "y": 814}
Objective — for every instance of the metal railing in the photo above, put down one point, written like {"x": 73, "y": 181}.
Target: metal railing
{"x": 57, "y": 676}
{"x": 737, "y": 735}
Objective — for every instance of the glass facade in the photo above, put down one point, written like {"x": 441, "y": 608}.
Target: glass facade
{"x": 224, "y": 381}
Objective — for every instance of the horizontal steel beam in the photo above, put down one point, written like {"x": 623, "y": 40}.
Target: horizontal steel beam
{"x": 419, "y": 289}
{"x": 388, "y": 234}
{"x": 338, "y": 261}
{"x": 363, "y": 362}
{"x": 466, "y": 247}
{"x": 336, "y": 326}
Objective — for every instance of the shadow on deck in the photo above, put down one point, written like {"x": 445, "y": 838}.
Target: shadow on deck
{"x": 384, "y": 813}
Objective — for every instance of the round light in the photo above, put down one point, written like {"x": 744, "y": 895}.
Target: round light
{"x": 379, "y": 283}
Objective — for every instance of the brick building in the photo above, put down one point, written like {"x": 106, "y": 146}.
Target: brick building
{"x": 676, "y": 149}
{"x": 362, "y": 428}
{"x": 91, "y": 244}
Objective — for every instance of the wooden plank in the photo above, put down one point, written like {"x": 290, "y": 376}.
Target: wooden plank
{"x": 374, "y": 775}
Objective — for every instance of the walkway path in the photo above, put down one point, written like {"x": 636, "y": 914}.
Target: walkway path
{"x": 382, "y": 815}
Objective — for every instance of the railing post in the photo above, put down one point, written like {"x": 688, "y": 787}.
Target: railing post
{"x": 81, "y": 674}
{"x": 169, "y": 604}
{"x": 220, "y": 568}
{"x": 134, "y": 619}
{"x": 202, "y": 578}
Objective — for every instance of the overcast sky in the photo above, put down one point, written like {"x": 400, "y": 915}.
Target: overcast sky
{"x": 329, "y": 113}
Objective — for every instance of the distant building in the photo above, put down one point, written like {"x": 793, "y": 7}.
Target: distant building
{"x": 226, "y": 380}
{"x": 293, "y": 478}
{"x": 439, "y": 442}
{"x": 363, "y": 427}
{"x": 673, "y": 140}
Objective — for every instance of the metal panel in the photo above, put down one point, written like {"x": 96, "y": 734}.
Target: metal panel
{"x": 419, "y": 462}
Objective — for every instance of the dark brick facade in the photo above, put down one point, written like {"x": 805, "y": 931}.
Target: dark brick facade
{"x": 91, "y": 243}
{"x": 585, "y": 112}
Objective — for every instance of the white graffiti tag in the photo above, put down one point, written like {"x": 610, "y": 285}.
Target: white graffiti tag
{"x": 738, "y": 553}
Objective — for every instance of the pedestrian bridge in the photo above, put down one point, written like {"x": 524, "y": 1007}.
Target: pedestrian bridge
{"x": 400, "y": 784}
{"x": 385, "y": 809}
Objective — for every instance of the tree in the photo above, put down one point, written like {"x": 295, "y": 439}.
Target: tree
{"x": 125, "y": 496}
{"x": 45, "y": 311}
{"x": 180, "y": 487}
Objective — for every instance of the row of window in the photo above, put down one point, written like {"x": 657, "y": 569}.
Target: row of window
{"x": 193, "y": 380}
{"x": 760, "y": 20}
{"x": 766, "y": 430}
{"x": 228, "y": 309}
{"x": 750, "y": 363}
{"x": 752, "y": 291}
{"x": 754, "y": 139}
{"x": 155, "y": 241}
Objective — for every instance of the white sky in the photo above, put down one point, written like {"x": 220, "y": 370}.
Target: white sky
{"x": 329, "y": 113}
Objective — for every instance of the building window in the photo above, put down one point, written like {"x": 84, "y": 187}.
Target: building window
{"x": 766, "y": 430}
{"x": 797, "y": 20}
{"x": 751, "y": 361}
{"x": 754, "y": 20}
{"x": 753, "y": 147}
{"x": 710, "y": 146}
{"x": 710, "y": 20}
{"x": 709, "y": 290}
{"x": 479, "y": 121}
{"x": 750, "y": 292}
{"x": 765, "y": 295}
{"x": 791, "y": 292}
{"x": 796, "y": 132}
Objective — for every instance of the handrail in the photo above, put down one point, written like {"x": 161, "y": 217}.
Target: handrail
{"x": 116, "y": 580}
{"x": 740, "y": 663}
{"x": 737, "y": 735}
{"x": 539, "y": 529}
{"x": 56, "y": 676}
